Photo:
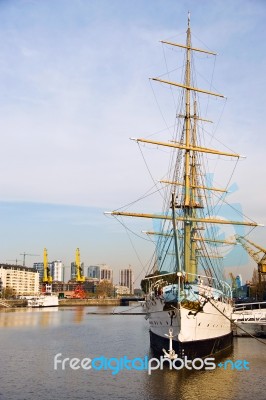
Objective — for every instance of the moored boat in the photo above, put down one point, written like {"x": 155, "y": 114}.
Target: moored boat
{"x": 250, "y": 319}
{"x": 43, "y": 301}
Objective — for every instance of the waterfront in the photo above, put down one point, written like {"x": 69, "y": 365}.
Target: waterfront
{"x": 29, "y": 340}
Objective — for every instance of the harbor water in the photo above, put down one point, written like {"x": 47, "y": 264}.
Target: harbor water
{"x": 31, "y": 339}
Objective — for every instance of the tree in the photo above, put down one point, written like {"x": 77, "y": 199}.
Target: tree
{"x": 105, "y": 289}
{"x": 8, "y": 293}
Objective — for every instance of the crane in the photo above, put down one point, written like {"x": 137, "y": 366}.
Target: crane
{"x": 15, "y": 260}
{"x": 27, "y": 254}
{"x": 79, "y": 292}
{"x": 256, "y": 252}
{"x": 47, "y": 278}
{"x": 79, "y": 276}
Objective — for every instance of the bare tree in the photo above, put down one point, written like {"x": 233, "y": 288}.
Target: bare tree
{"x": 105, "y": 289}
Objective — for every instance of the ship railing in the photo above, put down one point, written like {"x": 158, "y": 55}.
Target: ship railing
{"x": 250, "y": 306}
{"x": 223, "y": 286}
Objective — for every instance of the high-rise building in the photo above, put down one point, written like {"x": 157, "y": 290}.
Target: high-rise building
{"x": 73, "y": 270}
{"x": 126, "y": 278}
{"x": 22, "y": 280}
{"x": 94, "y": 272}
{"x": 106, "y": 274}
{"x": 101, "y": 272}
{"x": 55, "y": 267}
{"x": 57, "y": 271}
{"x": 39, "y": 267}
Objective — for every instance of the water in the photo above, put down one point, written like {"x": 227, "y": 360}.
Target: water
{"x": 29, "y": 340}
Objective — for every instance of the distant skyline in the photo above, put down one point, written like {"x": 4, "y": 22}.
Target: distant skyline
{"x": 74, "y": 87}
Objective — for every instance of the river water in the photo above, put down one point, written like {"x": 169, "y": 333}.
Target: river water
{"x": 30, "y": 340}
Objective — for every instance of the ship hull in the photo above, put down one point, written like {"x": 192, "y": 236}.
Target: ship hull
{"x": 200, "y": 328}
{"x": 198, "y": 348}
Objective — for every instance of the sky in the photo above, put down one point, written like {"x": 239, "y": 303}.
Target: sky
{"x": 74, "y": 87}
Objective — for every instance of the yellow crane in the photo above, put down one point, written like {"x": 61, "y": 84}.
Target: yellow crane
{"x": 256, "y": 252}
{"x": 79, "y": 277}
{"x": 47, "y": 278}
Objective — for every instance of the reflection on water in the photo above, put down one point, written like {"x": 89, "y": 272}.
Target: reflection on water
{"x": 30, "y": 339}
{"x": 218, "y": 384}
{"x": 192, "y": 385}
{"x": 40, "y": 317}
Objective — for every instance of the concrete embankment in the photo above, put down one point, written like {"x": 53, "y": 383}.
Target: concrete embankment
{"x": 73, "y": 302}
{"x": 12, "y": 303}
{"x": 65, "y": 302}
{"x": 89, "y": 302}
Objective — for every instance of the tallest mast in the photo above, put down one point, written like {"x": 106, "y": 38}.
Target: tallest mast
{"x": 190, "y": 217}
{"x": 187, "y": 202}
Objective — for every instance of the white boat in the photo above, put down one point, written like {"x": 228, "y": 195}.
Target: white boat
{"x": 187, "y": 298}
{"x": 250, "y": 328}
{"x": 43, "y": 300}
{"x": 250, "y": 319}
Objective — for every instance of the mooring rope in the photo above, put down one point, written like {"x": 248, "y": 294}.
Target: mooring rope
{"x": 233, "y": 322}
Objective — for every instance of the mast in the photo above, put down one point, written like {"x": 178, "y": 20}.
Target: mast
{"x": 190, "y": 182}
{"x": 178, "y": 264}
{"x": 187, "y": 200}
{"x": 195, "y": 205}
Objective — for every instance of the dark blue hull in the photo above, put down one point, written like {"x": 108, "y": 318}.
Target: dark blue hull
{"x": 194, "y": 349}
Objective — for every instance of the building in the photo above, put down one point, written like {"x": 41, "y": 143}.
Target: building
{"x": 57, "y": 271}
{"x": 22, "y": 280}
{"x": 101, "y": 271}
{"x": 106, "y": 274}
{"x": 39, "y": 267}
{"x": 121, "y": 290}
{"x": 73, "y": 270}
{"x": 94, "y": 272}
{"x": 126, "y": 278}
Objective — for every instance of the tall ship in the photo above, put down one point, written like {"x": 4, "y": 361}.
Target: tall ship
{"x": 188, "y": 303}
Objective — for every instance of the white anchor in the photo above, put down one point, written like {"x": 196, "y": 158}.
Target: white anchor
{"x": 171, "y": 353}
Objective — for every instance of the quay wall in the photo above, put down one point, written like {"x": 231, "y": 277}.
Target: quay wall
{"x": 65, "y": 302}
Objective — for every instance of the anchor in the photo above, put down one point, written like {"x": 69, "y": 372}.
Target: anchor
{"x": 171, "y": 353}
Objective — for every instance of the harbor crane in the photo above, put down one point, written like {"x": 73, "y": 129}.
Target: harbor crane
{"x": 47, "y": 278}
{"x": 79, "y": 292}
{"x": 256, "y": 252}
{"x": 27, "y": 254}
{"x": 79, "y": 276}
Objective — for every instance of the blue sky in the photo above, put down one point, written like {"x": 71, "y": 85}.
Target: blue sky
{"x": 74, "y": 86}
